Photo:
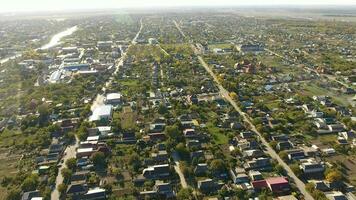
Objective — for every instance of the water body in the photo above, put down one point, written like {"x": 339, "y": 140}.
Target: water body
{"x": 54, "y": 42}
{"x": 57, "y": 38}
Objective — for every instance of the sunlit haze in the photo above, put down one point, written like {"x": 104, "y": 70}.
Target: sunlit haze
{"x": 52, "y": 5}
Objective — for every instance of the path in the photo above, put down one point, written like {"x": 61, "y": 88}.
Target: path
{"x": 176, "y": 159}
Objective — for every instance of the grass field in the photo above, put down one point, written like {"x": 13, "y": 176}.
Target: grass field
{"x": 218, "y": 137}
{"x": 312, "y": 89}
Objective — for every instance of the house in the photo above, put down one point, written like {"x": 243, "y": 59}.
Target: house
{"x": 56, "y": 148}
{"x": 284, "y": 145}
{"x": 253, "y": 153}
{"x": 104, "y": 130}
{"x": 189, "y": 133}
{"x": 76, "y": 190}
{"x": 128, "y": 136}
{"x": 160, "y": 157}
{"x": 348, "y": 135}
{"x": 328, "y": 151}
{"x": 312, "y": 167}
{"x": 30, "y": 195}
{"x": 156, "y": 171}
{"x": 84, "y": 152}
{"x": 102, "y": 114}
{"x": 105, "y": 46}
{"x": 287, "y": 197}
{"x": 320, "y": 185}
{"x": 277, "y": 185}
{"x": 336, "y": 127}
{"x": 164, "y": 190}
{"x": 196, "y": 154}
{"x": 193, "y": 144}
{"x": 79, "y": 176}
{"x": 201, "y": 168}
{"x": 239, "y": 176}
{"x": 95, "y": 194}
{"x": 75, "y": 67}
{"x": 246, "y": 134}
{"x": 113, "y": 99}
{"x": 208, "y": 186}
{"x": 157, "y": 136}
{"x": 280, "y": 138}
{"x": 255, "y": 175}
{"x": 295, "y": 154}
{"x": 258, "y": 164}
{"x": 336, "y": 195}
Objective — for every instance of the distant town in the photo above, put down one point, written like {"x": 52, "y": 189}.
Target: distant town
{"x": 195, "y": 104}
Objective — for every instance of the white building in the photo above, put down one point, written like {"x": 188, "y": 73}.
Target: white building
{"x": 102, "y": 113}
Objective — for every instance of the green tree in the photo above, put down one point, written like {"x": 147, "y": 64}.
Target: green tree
{"x": 72, "y": 163}
{"x": 333, "y": 175}
{"x": 185, "y": 194}
{"x": 296, "y": 170}
{"x": 283, "y": 155}
{"x": 99, "y": 159}
{"x": 13, "y": 194}
{"x": 67, "y": 174}
{"x": 217, "y": 166}
{"x": 62, "y": 188}
{"x": 134, "y": 161}
{"x": 30, "y": 183}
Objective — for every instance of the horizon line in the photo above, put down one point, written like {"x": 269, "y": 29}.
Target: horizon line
{"x": 230, "y": 6}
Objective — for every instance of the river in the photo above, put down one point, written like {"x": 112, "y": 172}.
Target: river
{"x": 55, "y": 40}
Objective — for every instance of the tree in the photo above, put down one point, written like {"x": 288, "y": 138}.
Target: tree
{"x": 62, "y": 188}
{"x": 30, "y": 183}
{"x": 333, "y": 175}
{"x": 280, "y": 170}
{"x": 296, "y": 170}
{"x": 217, "y": 165}
{"x": 71, "y": 163}
{"x": 283, "y": 155}
{"x": 233, "y": 95}
{"x": 13, "y": 194}
{"x": 185, "y": 194}
{"x": 182, "y": 151}
{"x": 67, "y": 174}
{"x": 134, "y": 161}
{"x": 98, "y": 159}
{"x": 173, "y": 133}
{"x": 273, "y": 144}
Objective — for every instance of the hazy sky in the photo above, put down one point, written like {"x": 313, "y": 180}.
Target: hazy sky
{"x": 42, "y": 5}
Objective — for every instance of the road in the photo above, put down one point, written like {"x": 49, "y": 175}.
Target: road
{"x": 71, "y": 149}
{"x": 99, "y": 99}
{"x": 269, "y": 150}
{"x": 179, "y": 29}
{"x": 176, "y": 159}
{"x": 68, "y": 153}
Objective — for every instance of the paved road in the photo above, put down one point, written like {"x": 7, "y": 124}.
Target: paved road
{"x": 71, "y": 150}
{"x": 300, "y": 185}
{"x": 269, "y": 150}
{"x": 176, "y": 159}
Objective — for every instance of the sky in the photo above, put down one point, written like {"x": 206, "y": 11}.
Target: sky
{"x": 57, "y": 5}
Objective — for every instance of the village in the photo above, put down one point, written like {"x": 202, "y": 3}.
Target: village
{"x": 180, "y": 106}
